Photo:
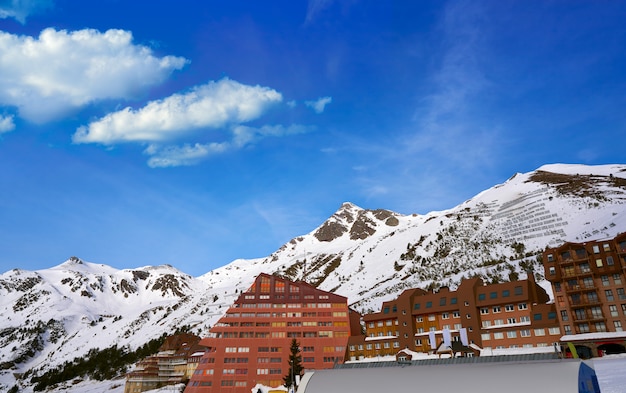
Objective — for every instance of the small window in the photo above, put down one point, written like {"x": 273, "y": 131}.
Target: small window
{"x": 416, "y": 306}
{"x": 481, "y": 296}
{"x": 596, "y": 249}
{"x": 550, "y": 258}
{"x": 609, "y": 261}
{"x": 537, "y": 317}
{"x": 386, "y": 310}
{"x": 442, "y": 301}
{"x": 453, "y": 300}
{"x": 493, "y": 295}
{"x": 429, "y": 304}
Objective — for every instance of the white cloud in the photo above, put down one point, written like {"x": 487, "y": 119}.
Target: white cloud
{"x": 242, "y": 136}
{"x": 213, "y": 105}
{"x": 320, "y": 104}
{"x": 6, "y": 124}
{"x": 20, "y": 9}
{"x": 59, "y": 71}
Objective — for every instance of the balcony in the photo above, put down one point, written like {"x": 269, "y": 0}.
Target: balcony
{"x": 579, "y": 288}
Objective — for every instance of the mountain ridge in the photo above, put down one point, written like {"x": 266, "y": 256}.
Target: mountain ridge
{"x": 51, "y": 315}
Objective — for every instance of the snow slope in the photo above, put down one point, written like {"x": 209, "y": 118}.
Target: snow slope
{"x": 52, "y": 315}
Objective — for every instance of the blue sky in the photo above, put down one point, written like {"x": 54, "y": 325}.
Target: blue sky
{"x": 194, "y": 133}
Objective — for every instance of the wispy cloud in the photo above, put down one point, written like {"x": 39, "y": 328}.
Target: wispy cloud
{"x": 213, "y": 105}
{"x": 21, "y": 9}
{"x": 319, "y": 105}
{"x": 314, "y": 8}
{"x": 6, "y": 123}
{"x": 191, "y": 154}
{"x": 60, "y": 71}
{"x": 446, "y": 121}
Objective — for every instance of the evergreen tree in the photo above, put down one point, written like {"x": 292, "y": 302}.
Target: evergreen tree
{"x": 295, "y": 365}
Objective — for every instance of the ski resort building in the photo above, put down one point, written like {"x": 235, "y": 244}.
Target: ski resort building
{"x": 175, "y": 362}
{"x": 495, "y": 316}
{"x": 589, "y": 287}
{"x": 250, "y": 344}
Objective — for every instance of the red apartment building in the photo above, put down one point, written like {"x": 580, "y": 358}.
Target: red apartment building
{"x": 250, "y": 344}
{"x": 507, "y": 315}
{"x": 589, "y": 285}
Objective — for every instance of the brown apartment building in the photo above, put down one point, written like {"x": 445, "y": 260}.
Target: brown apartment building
{"x": 175, "y": 362}
{"x": 250, "y": 344}
{"x": 506, "y": 315}
{"x": 589, "y": 285}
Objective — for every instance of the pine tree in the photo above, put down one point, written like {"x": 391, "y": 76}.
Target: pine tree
{"x": 295, "y": 365}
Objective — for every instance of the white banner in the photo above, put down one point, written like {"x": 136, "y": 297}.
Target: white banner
{"x": 433, "y": 341}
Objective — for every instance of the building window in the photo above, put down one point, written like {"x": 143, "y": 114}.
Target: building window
{"x": 552, "y": 270}
{"x": 600, "y": 327}
{"x": 506, "y": 293}
{"x": 498, "y": 322}
{"x": 583, "y": 328}
{"x": 511, "y": 334}
{"x": 606, "y": 247}
{"x": 613, "y": 310}
{"x": 486, "y": 323}
{"x": 599, "y": 262}
{"x": 552, "y": 315}
{"x": 518, "y": 290}
{"x": 609, "y": 295}
{"x": 386, "y": 310}
{"x": 419, "y": 319}
{"x": 522, "y": 306}
{"x": 453, "y": 300}
{"x": 567, "y": 329}
{"x": 609, "y": 261}
{"x": 618, "y": 326}
{"x": 540, "y": 332}
{"x": 596, "y": 249}
{"x": 564, "y": 316}
{"x": 509, "y": 308}
{"x": 484, "y": 310}
{"x": 429, "y": 304}
{"x": 485, "y": 336}
{"x": 498, "y": 336}
{"x": 442, "y": 301}
{"x": 620, "y": 294}
{"x": 496, "y": 309}
{"x": 525, "y": 332}
{"x": 481, "y": 296}
{"x": 416, "y": 306}
{"x": 456, "y": 314}
{"x": 617, "y": 279}
{"x": 524, "y": 318}
{"x": 550, "y": 258}
{"x": 445, "y": 315}
{"x": 510, "y": 320}
{"x": 537, "y": 317}
{"x": 493, "y": 295}
{"x": 554, "y": 331}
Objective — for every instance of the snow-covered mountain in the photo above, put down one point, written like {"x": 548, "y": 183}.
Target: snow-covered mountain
{"x": 50, "y": 316}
